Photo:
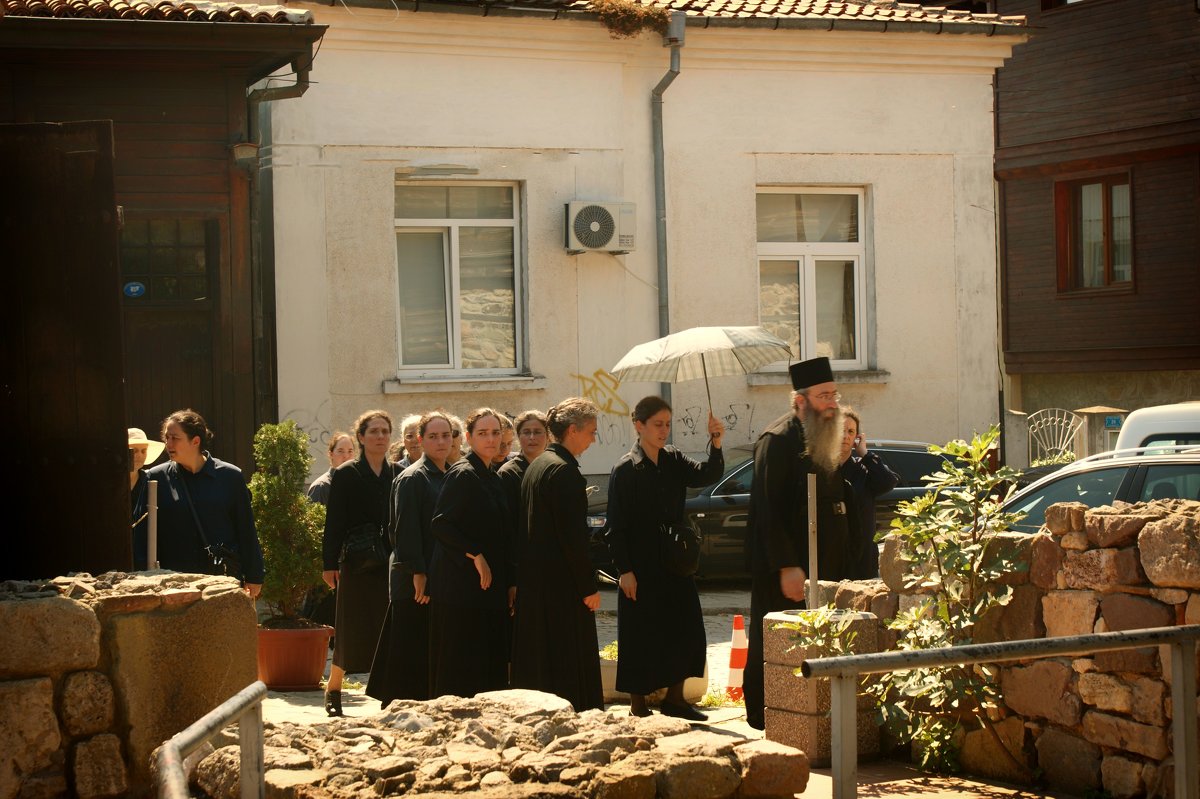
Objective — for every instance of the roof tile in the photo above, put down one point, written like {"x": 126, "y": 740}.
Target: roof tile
{"x": 170, "y": 10}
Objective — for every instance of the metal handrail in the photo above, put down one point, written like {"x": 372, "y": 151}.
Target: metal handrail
{"x": 843, "y": 673}
{"x": 244, "y": 707}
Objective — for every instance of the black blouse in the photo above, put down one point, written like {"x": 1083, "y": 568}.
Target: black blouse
{"x": 357, "y": 496}
{"x": 471, "y": 516}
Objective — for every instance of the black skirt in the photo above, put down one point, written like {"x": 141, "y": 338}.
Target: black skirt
{"x": 362, "y": 600}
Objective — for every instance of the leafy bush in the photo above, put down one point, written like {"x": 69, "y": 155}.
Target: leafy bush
{"x": 289, "y": 524}
{"x": 943, "y": 537}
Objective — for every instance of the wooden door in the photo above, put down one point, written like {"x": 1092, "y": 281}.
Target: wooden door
{"x": 168, "y": 269}
{"x": 63, "y": 403}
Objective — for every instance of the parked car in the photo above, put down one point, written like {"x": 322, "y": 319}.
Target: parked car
{"x": 1161, "y": 425}
{"x": 1131, "y": 475}
{"x": 720, "y": 512}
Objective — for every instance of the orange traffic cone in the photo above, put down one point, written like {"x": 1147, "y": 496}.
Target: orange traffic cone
{"x": 737, "y": 659}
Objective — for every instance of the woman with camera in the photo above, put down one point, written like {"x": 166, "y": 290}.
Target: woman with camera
{"x": 660, "y": 630}
{"x": 867, "y": 477}
{"x": 355, "y": 551}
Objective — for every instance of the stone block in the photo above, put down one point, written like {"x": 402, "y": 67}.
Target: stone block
{"x": 47, "y": 635}
{"x": 1016, "y": 548}
{"x": 980, "y": 753}
{"x": 29, "y": 735}
{"x": 172, "y": 667}
{"x": 1139, "y": 661}
{"x": 910, "y": 602}
{"x": 789, "y": 691}
{"x": 1101, "y": 568}
{"x": 98, "y": 768}
{"x": 1075, "y": 541}
{"x": 1068, "y": 762}
{"x": 1061, "y": 519}
{"x": 1046, "y": 558}
{"x": 858, "y": 594}
{"x": 1122, "y": 777}
{"x": 1069, "y": 612}
{"x": 291, "y": 783}
{"x": 1128, "y": 612}
{"x": 1149, "y": 701}
{"x": 1020, "y": 619}
{"x": 113, "y": 604}
{"x": 697, "y": 778}
{"x": 1121, "y": 733}
{"x": 1170, "y": 552}
{"x": 87, "y": 703}
{"x": 623, "y": 781}
{"x": 810, "y": 734}
{"x": 1191, "y": 614}
{"x": 1109, "y": 527}
{"x": 892, "y": 568}
{"x": 1170, "y": 596}
{"x": 1105, "y": 692}
{"x": 780, "y": 644}
{"x": 884, "y": 607}
{"x": 770, "y": 769}
{"x": 1042, "y": 690}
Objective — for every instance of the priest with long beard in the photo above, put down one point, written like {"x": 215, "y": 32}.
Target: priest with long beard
{"x": 806, "y": 440}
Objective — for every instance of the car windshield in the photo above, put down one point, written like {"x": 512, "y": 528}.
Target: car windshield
{"x": 1094, "y": 488}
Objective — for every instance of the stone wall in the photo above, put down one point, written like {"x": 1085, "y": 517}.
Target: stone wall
{"x": 1088, "y": 723}
{"x": 97, "y": 672}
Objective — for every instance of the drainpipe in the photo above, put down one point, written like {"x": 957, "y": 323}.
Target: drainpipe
{"x": 673, "y": 39}
{"x": 262, "y": 243}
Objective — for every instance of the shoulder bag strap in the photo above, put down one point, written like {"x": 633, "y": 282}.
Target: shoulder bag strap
{"x": 188, "y": 495}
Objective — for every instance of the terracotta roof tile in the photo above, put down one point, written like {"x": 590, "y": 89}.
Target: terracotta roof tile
{"x": 170, "y": 10}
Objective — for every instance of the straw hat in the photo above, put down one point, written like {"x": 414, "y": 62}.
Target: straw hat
{"x": 153, "y": 448}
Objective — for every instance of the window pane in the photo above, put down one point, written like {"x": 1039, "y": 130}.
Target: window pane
{"x": 1122, "y": 237}
{"x": 487, "y": 297}
{"x": 807, "y": 217}
{"x": 1091, "y": 488}
{"x": 421, "y": 202}
{"x": 162, "y": 231}
{"x": 1174, "y": 481}
{"x": 1091, "y": 235}
{"x": 481, "y": 202}
{"x": 835, "y": 310}
{"x": 779, "y": 300}
{"x": 421, "y": 261}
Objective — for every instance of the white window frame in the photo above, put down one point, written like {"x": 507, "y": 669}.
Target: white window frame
{"x": 449, "y": 230}
{"x": 805, "y": 253}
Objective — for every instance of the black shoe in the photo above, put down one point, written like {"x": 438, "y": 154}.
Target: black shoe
{"x": 640, "y": 713}
{"x": 684, "y": 711}
{"x": 333, "y": 703}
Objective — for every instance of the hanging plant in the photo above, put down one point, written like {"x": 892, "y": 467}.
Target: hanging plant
{"x": 627, "y": 18}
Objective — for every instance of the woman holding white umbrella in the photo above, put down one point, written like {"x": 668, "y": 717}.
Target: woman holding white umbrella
{"x": 660, "y": 630}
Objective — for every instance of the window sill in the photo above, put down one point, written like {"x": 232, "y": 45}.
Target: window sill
{"x": 424, "y": 384}
{"x": 1099, "y": 291}
{"x": 856, "y": 376}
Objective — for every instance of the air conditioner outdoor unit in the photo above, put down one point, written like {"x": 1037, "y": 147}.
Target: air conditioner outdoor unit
{"x": 599, "y": 226}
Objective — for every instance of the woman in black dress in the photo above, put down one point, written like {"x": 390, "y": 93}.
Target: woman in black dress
{"x": 471, "y": 581}
{"x": 554, "y": 644}
{"x": 340, "y": 450}
{"x": 401, "y": 667}
{"x": 532, "y": 435}
{"x": 867, "y": 477}
{"x": 660, "y": 630}
{"x": 358, "y": 506}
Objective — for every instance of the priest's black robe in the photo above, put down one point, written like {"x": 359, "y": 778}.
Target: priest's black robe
{"x": 554, "y": 643}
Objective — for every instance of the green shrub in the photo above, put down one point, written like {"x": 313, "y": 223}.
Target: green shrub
{"x": 290, "y": 525}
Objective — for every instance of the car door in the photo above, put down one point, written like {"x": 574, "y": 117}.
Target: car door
{"x": 1093, "y": 488}
{"x": 722, "y": 516}
{"x": 1166, "y": 481}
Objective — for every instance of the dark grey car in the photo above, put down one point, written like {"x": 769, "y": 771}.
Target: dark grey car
{"x": 721, "y": 511}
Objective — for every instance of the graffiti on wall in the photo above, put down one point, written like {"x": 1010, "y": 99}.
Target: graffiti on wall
{"x": 737, "y": 416}
{"x": 314, "y": 422}
{"x": 601, "y": 388}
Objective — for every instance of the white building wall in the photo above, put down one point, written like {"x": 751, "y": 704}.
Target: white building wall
{"x": 564, "y": 110}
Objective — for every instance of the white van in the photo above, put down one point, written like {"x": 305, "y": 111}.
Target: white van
{"x": 1161, "y": 424}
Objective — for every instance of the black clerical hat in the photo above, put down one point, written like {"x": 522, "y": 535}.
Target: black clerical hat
{"x": 810, "y": 373}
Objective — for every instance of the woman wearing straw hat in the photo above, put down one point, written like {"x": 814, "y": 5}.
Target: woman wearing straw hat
{"x": 142, "y": 452}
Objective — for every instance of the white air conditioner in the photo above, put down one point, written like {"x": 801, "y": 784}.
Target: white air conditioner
{"x": 599, "y": 226}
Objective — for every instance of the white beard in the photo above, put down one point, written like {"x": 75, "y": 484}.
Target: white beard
{"x": 823, "y": 439}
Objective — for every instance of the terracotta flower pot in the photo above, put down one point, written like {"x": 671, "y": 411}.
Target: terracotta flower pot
{"x": 293, "y": 660}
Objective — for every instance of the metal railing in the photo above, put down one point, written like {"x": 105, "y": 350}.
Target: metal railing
{"x": 244, "y": 707}
{"x": 843, "y": 672}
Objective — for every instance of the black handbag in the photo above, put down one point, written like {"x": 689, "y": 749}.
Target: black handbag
{"x": 680, "y": 545}
{"x": 363, "y": 549}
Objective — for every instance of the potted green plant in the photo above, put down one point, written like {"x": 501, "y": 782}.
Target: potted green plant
{"x": 291, "y": 648}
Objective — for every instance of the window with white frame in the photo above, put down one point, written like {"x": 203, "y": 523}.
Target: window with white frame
{"x": 811, "y": 271}
{"x": 457, "y": 250}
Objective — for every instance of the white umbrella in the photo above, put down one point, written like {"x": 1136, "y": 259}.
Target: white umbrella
{"x": 702, "y": 352}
